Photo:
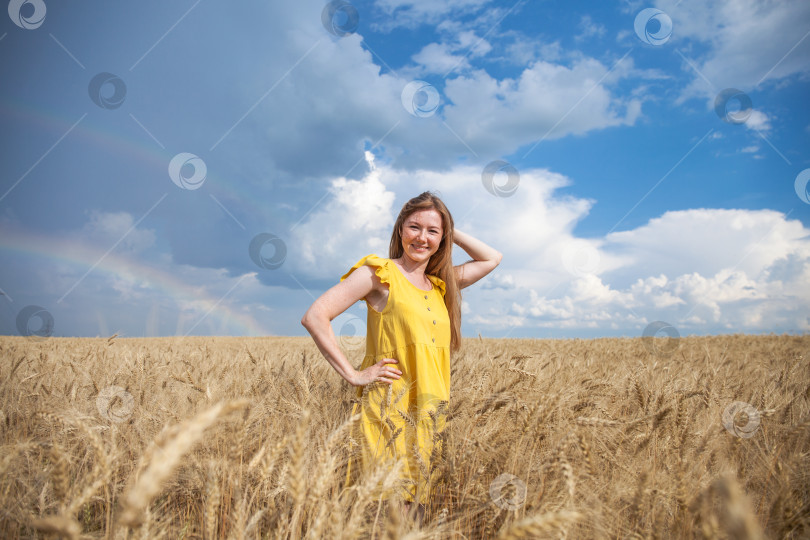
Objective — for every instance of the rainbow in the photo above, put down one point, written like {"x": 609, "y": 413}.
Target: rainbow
{"x": 84, "y": 256}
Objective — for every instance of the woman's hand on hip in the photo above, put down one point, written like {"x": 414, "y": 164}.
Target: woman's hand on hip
{"x": 382, "y": 371}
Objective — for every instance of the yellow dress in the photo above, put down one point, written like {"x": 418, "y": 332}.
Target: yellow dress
{"x": 405, "y": 420}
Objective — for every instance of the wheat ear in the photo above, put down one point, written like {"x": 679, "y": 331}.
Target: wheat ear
{"x": 158, "y": 470}
{"x": 536, "y": 526}
{"x": 64, "y": 526}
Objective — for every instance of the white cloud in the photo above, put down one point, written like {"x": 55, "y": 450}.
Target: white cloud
{"x": 437, "y": 58}
{"x": 547, "y": 101}
{"x": 354, "y": 221}
{"x": 498, "y": 281}
{"x": 118, "y": 229}
{"x": 715, "y": 240}
{"x": 703, "y": 271}
{"x": 525, "y": 50}
{"x": 452, "y": 54}
{"x": 590, "y": 28}
{"x": 750, "y": 42}
{"x": 758, "y": 121}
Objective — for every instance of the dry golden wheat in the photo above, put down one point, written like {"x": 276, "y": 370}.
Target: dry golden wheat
{"x": 610, "y": 441}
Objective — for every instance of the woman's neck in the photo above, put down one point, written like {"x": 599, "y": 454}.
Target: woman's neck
{"x": 411, "y": 267}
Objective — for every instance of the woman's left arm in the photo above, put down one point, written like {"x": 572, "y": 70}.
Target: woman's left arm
{"x": 485, "y": 259}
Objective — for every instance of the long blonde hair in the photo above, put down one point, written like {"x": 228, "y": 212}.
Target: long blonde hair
{"x": 440, "y": 263}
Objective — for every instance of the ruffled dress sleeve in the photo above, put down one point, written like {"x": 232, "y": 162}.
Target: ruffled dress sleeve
{"x": 438, "y": 282}
{"x": 382, "y": 267}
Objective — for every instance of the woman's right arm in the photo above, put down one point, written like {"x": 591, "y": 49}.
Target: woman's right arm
{"x": 329, "y": 305}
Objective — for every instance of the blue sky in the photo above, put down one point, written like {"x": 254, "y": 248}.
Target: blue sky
{"x": 146, "y": 147}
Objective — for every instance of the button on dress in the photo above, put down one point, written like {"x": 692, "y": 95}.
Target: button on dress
{"x": 405, "y": 420}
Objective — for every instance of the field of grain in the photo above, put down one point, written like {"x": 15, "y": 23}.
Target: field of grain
{"x": 248, "y": 438}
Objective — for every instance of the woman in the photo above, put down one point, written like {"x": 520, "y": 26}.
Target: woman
{"x": 413, "y": 323}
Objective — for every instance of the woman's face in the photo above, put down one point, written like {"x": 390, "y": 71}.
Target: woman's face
{"x": 422, "y": 234}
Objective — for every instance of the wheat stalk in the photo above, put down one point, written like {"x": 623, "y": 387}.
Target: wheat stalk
{"x": 212, "y": 497}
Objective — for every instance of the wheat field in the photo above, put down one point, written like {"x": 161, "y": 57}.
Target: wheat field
{"x": 706, "y": 437}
